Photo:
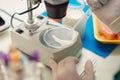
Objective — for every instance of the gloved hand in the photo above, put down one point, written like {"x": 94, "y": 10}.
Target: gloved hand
{"x": 106, "y": 10}
{"x": 66, "y": 69}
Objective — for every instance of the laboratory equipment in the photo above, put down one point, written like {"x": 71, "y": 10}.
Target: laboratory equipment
{"x": 40, "y": 71}
{"x": 76, "y": 18}
{"x": 104, "y": 33}
{"x": 15, "y": 60}
{"x": 34, "y": 57}
{"x": 3, "y": 25}
{"x": 2, "y": 22}
{"x": 51, "y": 39}
{"x": 56, "y": 9}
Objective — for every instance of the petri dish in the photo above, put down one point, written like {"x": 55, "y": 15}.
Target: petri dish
{"x": 58, "y": 37}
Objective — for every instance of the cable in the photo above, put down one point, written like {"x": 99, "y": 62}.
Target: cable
{"x": 10, "y": 15}
{"x": 29, "y": 9}
{"x": 22, "y": 13}
{"x": 12, "y": 19}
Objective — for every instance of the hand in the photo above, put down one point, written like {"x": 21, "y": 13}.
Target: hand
{"x": 66, "y": 69}
{"x": 106, "y": 10}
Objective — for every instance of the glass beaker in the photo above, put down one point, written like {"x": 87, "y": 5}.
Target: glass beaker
{"x": 76, "y": 18}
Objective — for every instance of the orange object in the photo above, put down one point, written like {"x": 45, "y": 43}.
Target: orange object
{"x": 15, "y": 59}
{"x": 12, "y": 48}
{"x": 103, "y": 33}
{"x": 102, "y": 37}
{"x": 106, "y": 31}
{"x": 14, "y": 54}
{"x": 57, "y": 19}
{"x": 118, "y": 37}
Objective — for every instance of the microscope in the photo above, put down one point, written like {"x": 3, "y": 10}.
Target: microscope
{"x": 50, "y": 38}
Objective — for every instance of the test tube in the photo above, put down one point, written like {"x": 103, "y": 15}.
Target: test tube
{"x": 40, "y": 71}
{"x": 15, "y": 64}
{"x": 34, "y": 58}
{"x": 4, "y": 59}
{"x": 15, "y": 60}
{"x": 2, "y": 72}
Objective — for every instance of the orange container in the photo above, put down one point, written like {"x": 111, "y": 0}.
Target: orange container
{"x": 103, "y": 33}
